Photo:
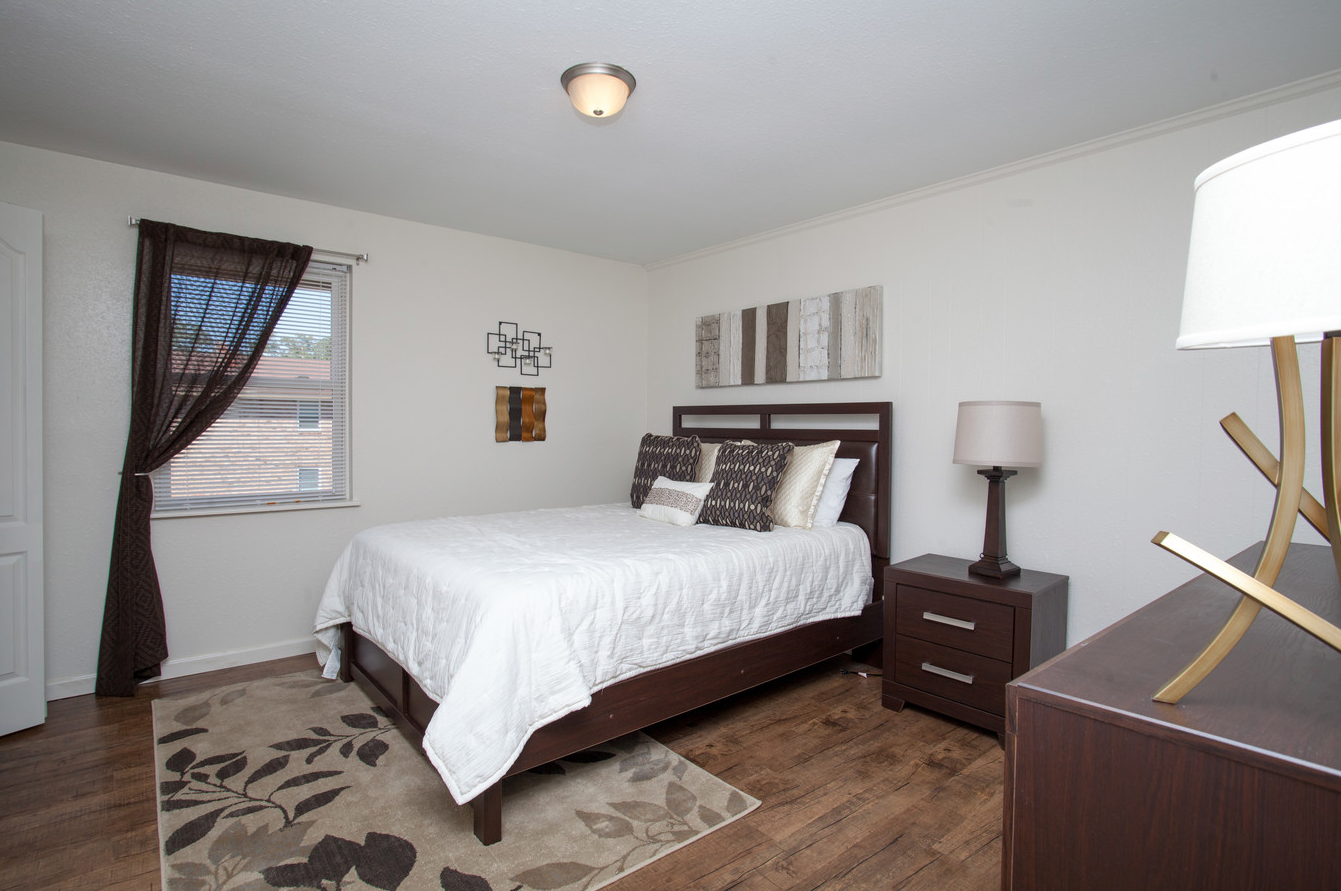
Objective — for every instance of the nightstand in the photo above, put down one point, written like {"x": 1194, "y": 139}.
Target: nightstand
{"x": 954, "y": 639}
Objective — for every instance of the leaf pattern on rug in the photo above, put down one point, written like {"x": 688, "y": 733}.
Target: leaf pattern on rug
{"x": 382, "y": 861}
{"x": 219, "y": 777}
{"x": 246, "y": 812}
{"x": 556, "y": 768}
{"x": 451, "y": 880}
{"x": 654, "y": 827}
{"x": 364, "y": 724}
{"x": 236, "y": 852}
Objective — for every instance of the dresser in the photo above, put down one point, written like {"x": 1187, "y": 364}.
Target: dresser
{"x": 1236, "y": 787}
{"x": 953, "y": 639}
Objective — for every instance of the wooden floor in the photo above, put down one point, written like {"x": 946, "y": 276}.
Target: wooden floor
{"x": 854, "y": 796}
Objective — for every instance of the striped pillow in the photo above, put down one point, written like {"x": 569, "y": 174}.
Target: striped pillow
{"x": 798, "y": 491}
{"x": 674, "y": 502}
{"x": 743, "y": 482}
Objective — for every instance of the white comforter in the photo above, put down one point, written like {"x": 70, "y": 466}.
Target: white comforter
{"x": 510, "y": 621}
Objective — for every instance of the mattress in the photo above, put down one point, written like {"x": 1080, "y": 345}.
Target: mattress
{"x": 511, "y": 621}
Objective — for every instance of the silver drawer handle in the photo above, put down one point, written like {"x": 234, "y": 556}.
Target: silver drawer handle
{"x": 947, "y": 673}
{"x": 946, "y": 620}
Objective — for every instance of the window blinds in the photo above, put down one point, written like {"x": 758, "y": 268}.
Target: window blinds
{"x": 284, "y": 440}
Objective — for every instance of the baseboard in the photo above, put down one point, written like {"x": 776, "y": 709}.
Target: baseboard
{"x": 63, "y": 688}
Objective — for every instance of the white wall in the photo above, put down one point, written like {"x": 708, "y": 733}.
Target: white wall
{"x": 243, "y": 588}
{"x": 1059, "y": 280}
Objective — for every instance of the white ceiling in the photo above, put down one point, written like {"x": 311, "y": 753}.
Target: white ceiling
{"x": 749, "y": 115}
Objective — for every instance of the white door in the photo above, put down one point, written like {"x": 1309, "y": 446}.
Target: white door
{"x": 22, "y": 674}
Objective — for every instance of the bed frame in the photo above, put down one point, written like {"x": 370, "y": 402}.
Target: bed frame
{"x": 866, "y": 431}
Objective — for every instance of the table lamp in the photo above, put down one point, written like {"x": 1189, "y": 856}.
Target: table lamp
{"x": 1264, "y": 267}
{"x": 995, "y": 436}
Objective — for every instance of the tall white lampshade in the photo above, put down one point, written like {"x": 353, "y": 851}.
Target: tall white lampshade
{"x": 1264, "y": 266}
{"x": 997, "y": 436}
{"x": 598, "y": 89}
{"x": 1265, "y": 255}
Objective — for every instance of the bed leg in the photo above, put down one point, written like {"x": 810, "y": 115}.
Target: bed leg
{"x": 488, "y": 807}
{"x": 346, "y": 649}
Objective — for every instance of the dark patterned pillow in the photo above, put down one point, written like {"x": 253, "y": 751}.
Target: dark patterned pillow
{"x": 674, "y": 457}
{"x": 743, "y": 481}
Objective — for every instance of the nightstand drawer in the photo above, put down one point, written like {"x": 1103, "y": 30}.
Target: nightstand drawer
{"x": 952, "y": 674}
{"x": 974, "y": 626}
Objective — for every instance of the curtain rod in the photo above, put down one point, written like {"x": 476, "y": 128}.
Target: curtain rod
{"x": 357, "y": 258}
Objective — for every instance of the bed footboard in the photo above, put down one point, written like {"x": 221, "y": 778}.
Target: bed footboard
{"x": 620, "y": 708}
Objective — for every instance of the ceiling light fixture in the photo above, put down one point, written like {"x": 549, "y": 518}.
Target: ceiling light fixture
{"x": 598, "y": 89}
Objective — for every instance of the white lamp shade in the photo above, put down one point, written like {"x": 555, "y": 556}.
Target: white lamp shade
{"x": 1265, "y": 255}
{"x": 598, "y": 95}
{"x": 999, "y": 434}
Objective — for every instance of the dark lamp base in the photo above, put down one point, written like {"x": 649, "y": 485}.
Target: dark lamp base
{"x": 994, "y": 563}
{"x": 994, "y": 567}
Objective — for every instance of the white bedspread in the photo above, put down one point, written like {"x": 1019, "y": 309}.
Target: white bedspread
{"x": 510, "y": 621}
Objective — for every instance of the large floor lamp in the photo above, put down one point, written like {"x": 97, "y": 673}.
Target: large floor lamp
{"x": 1264, "y": 267}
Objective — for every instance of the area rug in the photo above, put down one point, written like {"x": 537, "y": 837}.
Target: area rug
{"x": 300, "y": 782}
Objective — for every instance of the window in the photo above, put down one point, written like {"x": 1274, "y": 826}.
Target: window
{"x": 257, "y": 456}
{"x": 309, "y": 414}
{"x": 309, "y": 479}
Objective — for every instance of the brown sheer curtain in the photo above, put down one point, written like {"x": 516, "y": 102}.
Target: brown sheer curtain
{"x": 205, "y": 306}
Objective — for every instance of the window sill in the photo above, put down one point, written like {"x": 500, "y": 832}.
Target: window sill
{"x": 251, "y": 509}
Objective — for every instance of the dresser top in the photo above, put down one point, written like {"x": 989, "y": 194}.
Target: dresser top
{"x": 1278, "y": 692}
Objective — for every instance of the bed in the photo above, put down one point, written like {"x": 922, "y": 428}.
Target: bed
{"x": 631, "y": 700}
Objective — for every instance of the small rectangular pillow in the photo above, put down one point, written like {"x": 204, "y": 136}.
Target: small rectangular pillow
{"x": 671, "y": 501}
{"x": 834, "y": 495}
{"x": 798, "y": 491}
{"x": 674, "y": 457}
{"x": 743, "y": 482}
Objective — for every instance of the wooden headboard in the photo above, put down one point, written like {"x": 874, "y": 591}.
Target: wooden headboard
{"x": 865, "y": 428}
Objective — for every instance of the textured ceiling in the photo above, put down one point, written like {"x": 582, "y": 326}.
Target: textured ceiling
{"x": 749, "y": 115}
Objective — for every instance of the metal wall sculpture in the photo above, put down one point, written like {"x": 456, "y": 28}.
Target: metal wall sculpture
{"x": 511, "y": 348}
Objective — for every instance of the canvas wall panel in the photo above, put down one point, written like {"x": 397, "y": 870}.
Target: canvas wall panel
{"x": 827, "y": 337}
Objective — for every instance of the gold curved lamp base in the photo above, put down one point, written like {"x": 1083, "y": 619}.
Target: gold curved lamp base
{"x": 1256, "y": 596}
{"x": 1287, "y": 475}
{"x": 1266, "y": 462}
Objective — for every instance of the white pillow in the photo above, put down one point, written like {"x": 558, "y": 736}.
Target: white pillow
{"x": 834, "y": 495}
{"x": 798, "y": 492}
{"x": 672, "y": 501}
